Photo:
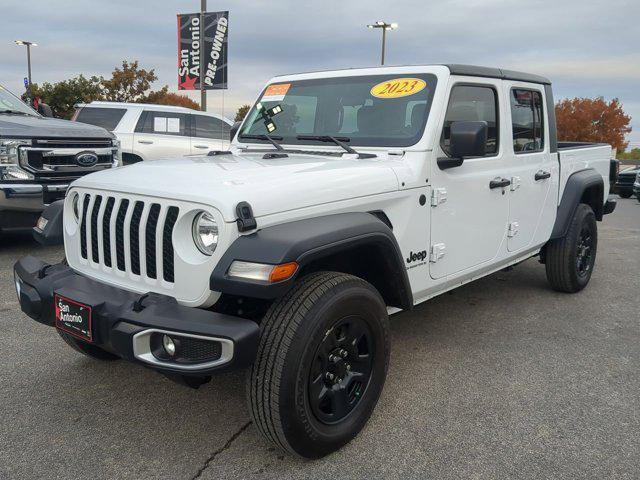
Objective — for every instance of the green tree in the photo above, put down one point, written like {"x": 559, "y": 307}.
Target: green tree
{"x": 633, "y": 154}
{"x": 129, "y": 83}
{"x": 62, "y": 96}
{"x": 242, "y": 112}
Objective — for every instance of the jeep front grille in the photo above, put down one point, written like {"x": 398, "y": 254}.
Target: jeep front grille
{"x": 132, "y": 236}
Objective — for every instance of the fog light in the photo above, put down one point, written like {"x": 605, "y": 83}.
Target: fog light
{"x": 168, "y": 345}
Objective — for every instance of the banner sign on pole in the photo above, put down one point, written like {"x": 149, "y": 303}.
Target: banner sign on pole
{"x": 212, "y": 50}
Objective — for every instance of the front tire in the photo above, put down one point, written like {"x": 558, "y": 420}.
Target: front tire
{"x": 85, "y": 348}
{"x": 570, "y": 260}
{"x": 625, "y": 194}
{"x": 321, "y": 364}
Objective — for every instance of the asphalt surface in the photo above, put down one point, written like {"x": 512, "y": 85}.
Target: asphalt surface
{"x": 502, "y": 378}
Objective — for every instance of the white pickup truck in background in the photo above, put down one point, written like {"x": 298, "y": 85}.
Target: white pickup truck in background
{"x": 152, "y": 132}
{"x": 345, "y": 196}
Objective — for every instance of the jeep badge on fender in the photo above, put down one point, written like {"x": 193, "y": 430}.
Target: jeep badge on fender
{"x": 417, "y": 257}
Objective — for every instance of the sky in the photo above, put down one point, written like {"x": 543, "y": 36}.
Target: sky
{"x": 588, "y": 48}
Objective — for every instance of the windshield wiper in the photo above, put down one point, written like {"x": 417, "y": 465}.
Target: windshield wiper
{"x": 263, "y": 136}
{"x": 339, "y": 141}
{"x": 14, "y": 112}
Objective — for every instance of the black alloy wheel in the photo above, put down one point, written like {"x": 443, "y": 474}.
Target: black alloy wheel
{"x": 584, "y": 251}
{"x": 342, "y": 369}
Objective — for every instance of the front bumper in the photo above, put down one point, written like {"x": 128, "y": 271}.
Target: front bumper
{"x": 636, "y": 189}
{"x": 122, "y": 320}
{"x": 22, "y": 203}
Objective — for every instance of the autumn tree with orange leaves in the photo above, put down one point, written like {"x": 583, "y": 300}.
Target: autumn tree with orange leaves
{"x": 593, "y": 120}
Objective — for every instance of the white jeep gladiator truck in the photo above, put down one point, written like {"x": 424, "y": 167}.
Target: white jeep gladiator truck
{"x": 345, "y": 196}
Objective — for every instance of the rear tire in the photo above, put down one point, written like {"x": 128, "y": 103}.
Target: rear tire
{"x": 321, "y": 364}
{"x": 85, "y": 348}
{"x": 570, "y": 260}
{"x": 625, "y": 194}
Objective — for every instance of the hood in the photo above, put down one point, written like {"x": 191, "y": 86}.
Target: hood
{"x": 270, "y": 186}
{"x": 23, "y": 126}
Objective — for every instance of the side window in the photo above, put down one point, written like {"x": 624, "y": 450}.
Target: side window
{"x": 527, "y": 120}
{"x": 108, "y": 118}
{"x": 472, "y": 103}
{"x": 210, "y": 127}
{"x": 164, "y": 123}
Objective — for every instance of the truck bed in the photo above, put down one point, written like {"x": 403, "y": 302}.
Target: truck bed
{"x": 576, "y": 156}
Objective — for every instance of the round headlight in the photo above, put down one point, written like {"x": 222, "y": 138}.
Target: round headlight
{"x": 205, "y": 233}
{"x": 76, "y": 208}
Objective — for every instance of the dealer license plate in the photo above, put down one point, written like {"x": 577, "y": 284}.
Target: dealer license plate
{"x": 73, "y": 317}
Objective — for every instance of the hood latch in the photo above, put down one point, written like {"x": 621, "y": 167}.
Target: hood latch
{"x": 245, "y": 218}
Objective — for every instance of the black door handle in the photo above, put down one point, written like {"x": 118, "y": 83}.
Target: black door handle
{"x": 542, "y": 175}
{"x": 499, "y": 183}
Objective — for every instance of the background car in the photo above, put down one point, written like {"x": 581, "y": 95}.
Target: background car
{"x": 152, "y": 132}
{"x": 626, "y": 179}
{"x": 41, "y": 156}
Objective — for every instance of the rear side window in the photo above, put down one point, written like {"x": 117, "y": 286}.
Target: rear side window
{"x": 108, "y": 118}
{"x": 210, "y": 127}
{"x": 163, "y": 123}
{"x": 471, "y": 103}
{"x": 527, "y": 120}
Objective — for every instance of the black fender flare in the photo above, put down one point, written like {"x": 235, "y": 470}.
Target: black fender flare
{"x": 577, "y": 185}
{"x": 308, "y": 240}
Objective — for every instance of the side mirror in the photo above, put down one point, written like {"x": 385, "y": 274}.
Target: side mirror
{"x": 234, "y": 129}
{"x": 467, "y": 139}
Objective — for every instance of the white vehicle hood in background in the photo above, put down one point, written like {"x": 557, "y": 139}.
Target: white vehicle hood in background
{"x": 270, "y": 186}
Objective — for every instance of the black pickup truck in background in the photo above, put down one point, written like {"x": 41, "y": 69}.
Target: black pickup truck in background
{"x": 40, "y": 157}
{"x": 625, "y": 181}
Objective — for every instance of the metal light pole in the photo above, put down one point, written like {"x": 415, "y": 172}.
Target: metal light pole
{"x": 203, "y": 92}
{"x": 28, "y": 45}
{"x": 384, "y": 26}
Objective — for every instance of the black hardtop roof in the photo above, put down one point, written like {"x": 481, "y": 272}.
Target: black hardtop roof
{"x": 458, "y": 69}
{"x": 489, "y": 72}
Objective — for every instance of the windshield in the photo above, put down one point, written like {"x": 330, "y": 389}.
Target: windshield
{"x": 373, "y": 110}
{"x": 8, "y": 101}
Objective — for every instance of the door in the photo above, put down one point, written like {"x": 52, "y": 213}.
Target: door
{"x": 161, "y": 134}
{"x": 468, "y": 217}
{"x": 534, "y": 170}
{"x": 209, "y": 133}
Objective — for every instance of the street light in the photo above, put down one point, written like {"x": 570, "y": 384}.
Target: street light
{"x": 384, "y": 26}
{"x": 28, "y": 45}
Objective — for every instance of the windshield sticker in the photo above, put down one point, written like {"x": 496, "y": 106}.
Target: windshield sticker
{"x": 398, "y": 87}
{"x": 275, "y": 93}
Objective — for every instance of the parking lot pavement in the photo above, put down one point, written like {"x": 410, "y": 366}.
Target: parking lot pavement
{"x": 502, "y": 378}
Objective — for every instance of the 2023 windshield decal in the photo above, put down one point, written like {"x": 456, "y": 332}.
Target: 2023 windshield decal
{"x": 398, "y": 87}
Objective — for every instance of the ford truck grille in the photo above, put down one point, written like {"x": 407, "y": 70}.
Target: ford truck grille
{"x": 132, "y": 236}
{"x": 57, "y": 159}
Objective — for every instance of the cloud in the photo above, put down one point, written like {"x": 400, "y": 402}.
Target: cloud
{"x": 586, "y": 48}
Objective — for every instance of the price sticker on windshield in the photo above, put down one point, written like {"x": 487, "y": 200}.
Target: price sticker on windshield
{"x": 276, "y": 92}
{"x": 398, "y": 87}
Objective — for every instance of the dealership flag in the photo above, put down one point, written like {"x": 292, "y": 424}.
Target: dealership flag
{"x": 212, "y": 50}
